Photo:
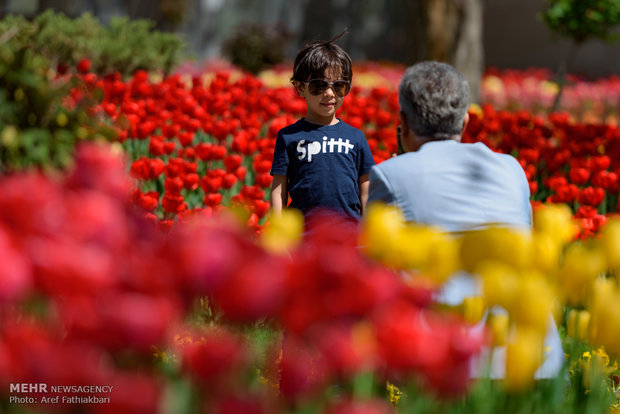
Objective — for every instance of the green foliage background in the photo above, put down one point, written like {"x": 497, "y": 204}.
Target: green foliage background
{"x": 123, "y": 46}
{"x": 580, "y": 20}
{"x": 38, "y": 126}
{"x": 256, "y": 47}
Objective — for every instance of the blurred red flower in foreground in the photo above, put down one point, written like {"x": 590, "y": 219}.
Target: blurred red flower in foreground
{"x": 115, "y": 289}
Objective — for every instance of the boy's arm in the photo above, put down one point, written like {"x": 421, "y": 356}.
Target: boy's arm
{"x": 279, "y": 193}
{"x": 364, "y": 185}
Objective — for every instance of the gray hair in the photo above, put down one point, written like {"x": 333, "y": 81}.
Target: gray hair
{"x": 434, "y": 98}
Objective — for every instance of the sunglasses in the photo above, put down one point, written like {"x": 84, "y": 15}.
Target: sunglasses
{"x": 318, "y": 86}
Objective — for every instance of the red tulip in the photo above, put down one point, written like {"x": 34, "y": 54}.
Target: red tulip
{"x": 579, "y": 176}
{"x": 228, "y": 181}
{"x": 173, "y": 203}
{"x": 263, "y": 180}
{"x": 213, "y": 199}
{"x": 232, "y": 162}
{"x": 592, "y": 196}
{"x": 15, "y": 272}
{"x": 216, "y": 358}
{"x": 84, "y": 66}
{"x": 173, "y": 185}
{"x": 190, "y": 181}
{"x": 240, "y": 173}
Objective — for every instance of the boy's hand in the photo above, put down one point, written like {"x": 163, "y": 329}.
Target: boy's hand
{"x": 279, "y": 193}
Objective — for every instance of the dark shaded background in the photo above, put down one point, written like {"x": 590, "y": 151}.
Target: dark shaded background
{"x": 513, "y": 36}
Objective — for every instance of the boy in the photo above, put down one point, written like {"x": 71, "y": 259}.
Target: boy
{"x": 321, "y": 161}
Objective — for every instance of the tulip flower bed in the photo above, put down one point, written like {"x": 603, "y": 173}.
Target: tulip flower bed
{"x": 207, "y": 142}
{"x": 165, "y": 279}
{"x": 535, "y": 90}
{"x": 109, "y": 314}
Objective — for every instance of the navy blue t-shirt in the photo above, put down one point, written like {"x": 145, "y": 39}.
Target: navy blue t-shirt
{"x": 323, "y": 164}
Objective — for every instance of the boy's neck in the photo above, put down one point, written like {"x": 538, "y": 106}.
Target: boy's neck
{"x": 325, "y": 121}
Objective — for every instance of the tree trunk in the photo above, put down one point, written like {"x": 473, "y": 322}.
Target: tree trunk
{"x": 442, "y": 29}
{"x": 565, "y": 67}
{"x": 469, "y": 53}
{"x": 450, "y": 31}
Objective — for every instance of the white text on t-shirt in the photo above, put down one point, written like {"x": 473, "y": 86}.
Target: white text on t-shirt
{"x": 314, "y": 148}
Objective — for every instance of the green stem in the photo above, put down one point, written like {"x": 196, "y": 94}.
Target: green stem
{"x": 564, "y": 69}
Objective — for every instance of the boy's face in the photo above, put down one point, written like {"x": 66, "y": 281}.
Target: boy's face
{"x": 321, "y": 108}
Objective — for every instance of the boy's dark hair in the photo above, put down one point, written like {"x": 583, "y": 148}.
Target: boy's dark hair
{"x": 315, "y": 58}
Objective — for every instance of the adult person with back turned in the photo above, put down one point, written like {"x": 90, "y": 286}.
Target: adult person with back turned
{"x": 442, "y": 182}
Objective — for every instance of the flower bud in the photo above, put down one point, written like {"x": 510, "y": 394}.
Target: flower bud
{"x": 473, "y": 309}
{"x": 498, "y": 324}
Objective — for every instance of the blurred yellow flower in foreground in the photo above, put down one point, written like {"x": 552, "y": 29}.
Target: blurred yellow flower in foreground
{"x": 530, "y": 275}
{"x": 381, "y": 232}
{"x": 605, "y": 315}
{"x": 387, "y": 237}
{"x": 555, "y": 220}
{"x": 527, "y": 295}
{"x": 546, "y": 252}
{"x": 581, "y": 266}
{"x": 523, "y": 357}
{"x": 509, "y": 246}
{"x": 283, "y": 232}
{"x": 443, "y": 259}
{"x": 610, "y": 243}
{"x": 499, "y": 283}
{"x": 498, "y": 325}
{"x": 534, "y": 302}
{"x": 473, "y": 309}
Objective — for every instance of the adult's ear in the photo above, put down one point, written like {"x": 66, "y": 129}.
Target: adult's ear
{"x": 465, "y": 122}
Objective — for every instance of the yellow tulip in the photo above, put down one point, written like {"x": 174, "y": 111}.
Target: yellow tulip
{"x": 557, "y": 221}
{"x": 509, "y": 246}
{"x": 499, "y": 283}
{"x": 473, "y": 309}
{"x": 533, "y": 302}
{"x": 283, "y": 232}
{"x": 605, "y": 315}
{"x": 443, "y": 258}
{"x": 387, "y": 237}
{"x": 412, "y": 246}
{"x": 610, "y": 242}
{"x": 498, "y": 324}
{"x": 546, "y": 252}
{"x": 578, "y": 324}
{"x": 580, "y": 268}
{"x": 381, "y": 231}
{"x": 523, "y": 357}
